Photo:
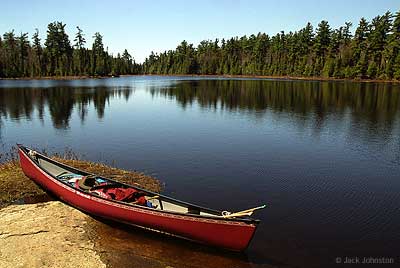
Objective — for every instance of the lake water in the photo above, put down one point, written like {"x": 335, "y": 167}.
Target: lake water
{"x": 323, "y": 156}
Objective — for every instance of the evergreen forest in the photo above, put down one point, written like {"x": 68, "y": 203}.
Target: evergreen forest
{"x": 369, "y": 51}
{"x": 58, "y": 56}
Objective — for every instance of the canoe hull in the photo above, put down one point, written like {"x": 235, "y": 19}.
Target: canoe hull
{"x": 233, "y": 235}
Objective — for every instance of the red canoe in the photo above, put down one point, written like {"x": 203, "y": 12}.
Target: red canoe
{"x": 113, "y": 200}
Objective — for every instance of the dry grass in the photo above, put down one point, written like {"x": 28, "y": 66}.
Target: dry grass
{"x": 130, "y": 177}
{"x": 15, "y": 185}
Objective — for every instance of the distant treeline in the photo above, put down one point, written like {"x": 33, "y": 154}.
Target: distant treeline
{"x": 58, "y": 57}
{"x": 372, "y": 52}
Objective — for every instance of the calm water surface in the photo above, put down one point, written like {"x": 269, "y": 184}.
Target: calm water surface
{"x": 324, "y": 156}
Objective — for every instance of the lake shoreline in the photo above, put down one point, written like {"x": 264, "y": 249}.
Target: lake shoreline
{"x": 69, "y": 77}
{"x": 277, "y": 77}
{"x": 300, "y": 78}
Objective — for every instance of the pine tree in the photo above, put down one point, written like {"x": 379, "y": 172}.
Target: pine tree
{"x": 127, "y": 64}
{"x": 322, "y": 39}
{"x": 79, "y": 51}
{"x": 360, "y": 56}
{"x": 11, "y": 55}
{"x": 98, "y": 56}
{"x": 58, "y": 49}
{"x": 395, "y": 46}
{"x": 2, "y": 59}
{"x": 23, "y": 47}
{"x": 38, "y": 54}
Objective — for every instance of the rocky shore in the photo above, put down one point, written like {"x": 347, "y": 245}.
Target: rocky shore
{"x": 49, "y": 234}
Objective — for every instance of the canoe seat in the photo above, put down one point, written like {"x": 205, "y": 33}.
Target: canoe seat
{"x": 173, "y": 207}
{"x": 51, "y": 168}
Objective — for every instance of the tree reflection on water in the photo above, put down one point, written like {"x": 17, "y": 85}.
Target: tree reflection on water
{"x": 373, "y": 105}
{"x": 18, "y": 103}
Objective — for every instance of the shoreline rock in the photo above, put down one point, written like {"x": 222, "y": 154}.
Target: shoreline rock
{"x": 49, "y": 234}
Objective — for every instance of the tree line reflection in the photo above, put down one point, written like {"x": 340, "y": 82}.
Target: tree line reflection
{"x": 371, "y": 103}
{"x": 17, "y": 103}
{"x": 367, "y": 103}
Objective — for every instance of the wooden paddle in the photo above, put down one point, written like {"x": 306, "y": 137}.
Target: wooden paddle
{"x": 246, "y": 212}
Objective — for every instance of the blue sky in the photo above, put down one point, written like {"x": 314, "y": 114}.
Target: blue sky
{"x": 145, "y": 26}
